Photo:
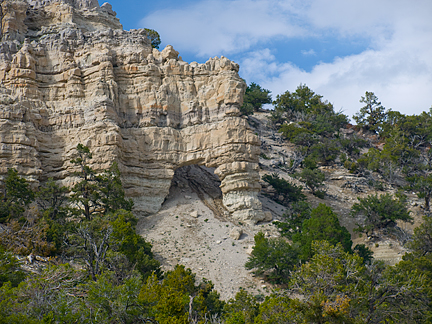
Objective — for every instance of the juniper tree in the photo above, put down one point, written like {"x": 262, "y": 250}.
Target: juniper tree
{"x": 15, "y": 196}
{"x": 378, "y": 212}
{"x": 371, "y": 116}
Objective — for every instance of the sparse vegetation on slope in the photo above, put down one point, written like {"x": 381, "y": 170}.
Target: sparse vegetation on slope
{"x": 115, "y": 279}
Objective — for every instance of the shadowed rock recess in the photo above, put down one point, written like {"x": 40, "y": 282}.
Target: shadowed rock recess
{"x": 70, "y": 74}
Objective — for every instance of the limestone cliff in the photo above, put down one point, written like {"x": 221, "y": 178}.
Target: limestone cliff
{"x": 70, "y": 74}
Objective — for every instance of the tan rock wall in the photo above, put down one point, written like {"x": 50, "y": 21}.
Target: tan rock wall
{"x": 75, "y": 80}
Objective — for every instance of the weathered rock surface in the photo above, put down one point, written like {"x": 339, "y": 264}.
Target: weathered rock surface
{"x": 70, "y": 74}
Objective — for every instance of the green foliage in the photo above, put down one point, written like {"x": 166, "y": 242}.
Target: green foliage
{"x": 15, "y": 196}
{"x": 108, "y": 302}
{"x": 372, "y": 116}
{"x": 168, "y": 300}
{"x": 51, "y": 198}
{"x": 336, "y": 287}
{"x": 399, "y": 150}
{"x": 254, "y": 98}
{"x": 313, "y": 125}
{"x": 154, "y": 37}
{"x": 416, "y": 128}
{"x": 60, "y": 294}
{"x": 422, "y": 265}
{"x": 306, "y": 140}
{"x": 326, "y": 283}
{"x": 264, "y": 156}
{"x": 10, "y": 269}
{"x": 313, "y": 179}
{"x": 111, "y": 243}
{"x": 128, "y": 243}
{"x": 422, "y": 184}
{"x": 352, "y": 145}
{"x": 293, "y": 219}
{"x": 285, "y": 192}
{"x": 85, "y": 195}
{"x": 111, "y": 193}
{"x": 421, "y": 243}
{"x": 106, "y": 238}
{"x": 274, "y": 257}
{"x": 326, "y": 151}
{"x": 293, "y": 132}
{"x": 24, "y": 238}
{"x": 379, "y": 212}
{"x": 329, "y": 123}
{"x": 206, "y": 303}
{"x": 398, "y": 295}
{"x": 246, "y": 109}
{"x": 90, "y": 242}
{"x": 243, "y": 309}
{"x": 377, "y": 162}
{"x": 323, "y": 224}
{"x": 420, "y": 260}
{"x": 312, "y": 114}
{"x": 301, "y": 101}
{"x": 395, "y": 156}
{"x": 48, "y": 295}
{"x": 276, "y": 310}
{"x": 351, "y": 166}
{"x": 96, "y": 195}
{"x": 364, "y": 252}
{"x": 310, "y": 162}
{"x": 303, "y": 226}
{"x": 55, "y": 234}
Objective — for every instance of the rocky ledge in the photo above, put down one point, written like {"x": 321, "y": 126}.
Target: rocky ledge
{"x": 70, "y": 74}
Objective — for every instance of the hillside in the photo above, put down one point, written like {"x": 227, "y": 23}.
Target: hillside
{"x": 192, "y": 229}
{"x": 139, "y": 188}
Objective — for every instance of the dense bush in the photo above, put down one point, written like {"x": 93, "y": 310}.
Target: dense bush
{"x": 293, "y": 218}
{"x": 301, "y": 102}
{"x": 10, "y": 269}
{"x": 380, "y": 211}
{"x": 274, "y": 257}
{"x": 285, "y": 192}
{"x": 176, "y": 298}
{"x": 293, "y": 132}
{"x": 323, "y": 224}
{"x": 16, "y": 194}
{"x": 93, "y": 224}
{"x": 313, "y": 179}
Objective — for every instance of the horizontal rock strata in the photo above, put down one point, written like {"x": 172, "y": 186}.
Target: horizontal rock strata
{"x": 70, "y": 74}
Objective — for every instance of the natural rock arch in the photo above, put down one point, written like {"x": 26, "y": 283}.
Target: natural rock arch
{"x": 79, "y": 78}
{"x": 216, "y": 145}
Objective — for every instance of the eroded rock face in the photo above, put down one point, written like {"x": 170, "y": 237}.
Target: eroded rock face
{"x": 70, "y": 74}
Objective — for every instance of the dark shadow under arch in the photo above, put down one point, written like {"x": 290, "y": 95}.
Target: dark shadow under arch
{"x": 205, "y": 183}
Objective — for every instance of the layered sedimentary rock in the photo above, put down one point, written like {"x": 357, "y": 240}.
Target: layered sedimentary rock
{"x": 70, "y": 74}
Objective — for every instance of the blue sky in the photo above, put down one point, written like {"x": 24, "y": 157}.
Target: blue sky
{"x": 339, "y": 48}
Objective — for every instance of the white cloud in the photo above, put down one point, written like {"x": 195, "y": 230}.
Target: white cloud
{"x": 396, "y": 66}
{"x": 401, "y": 80}
{"x": 309, "y": 52}
{"x": 212, "y": 27}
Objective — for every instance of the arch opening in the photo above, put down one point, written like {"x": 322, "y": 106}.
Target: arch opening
{"x": 203, "y": 183}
